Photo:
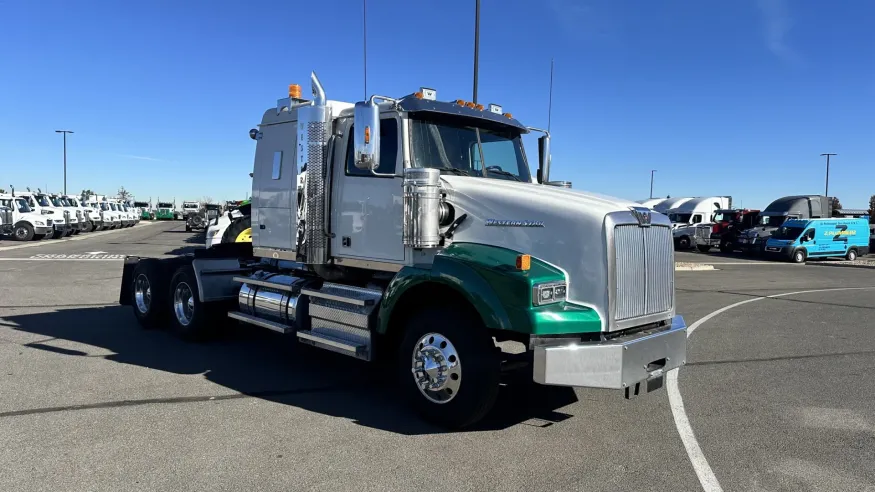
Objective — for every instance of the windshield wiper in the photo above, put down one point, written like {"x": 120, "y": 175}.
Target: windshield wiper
{"x": 455, "y": 170}
{"x": 502, "y": 172}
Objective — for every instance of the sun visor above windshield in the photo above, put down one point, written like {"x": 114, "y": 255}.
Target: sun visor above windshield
{"x": 414, "y": 105}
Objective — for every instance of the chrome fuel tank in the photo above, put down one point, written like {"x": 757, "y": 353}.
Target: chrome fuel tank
{"x": 272, "y": 296}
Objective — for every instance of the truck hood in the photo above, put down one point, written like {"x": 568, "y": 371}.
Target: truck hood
{"x": 563, "y": 227}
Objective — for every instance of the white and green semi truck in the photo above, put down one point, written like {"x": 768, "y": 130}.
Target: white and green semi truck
{"x": 419, "y": 237}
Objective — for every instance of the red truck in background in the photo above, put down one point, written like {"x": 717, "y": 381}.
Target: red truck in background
{"x": 724, "y": 229}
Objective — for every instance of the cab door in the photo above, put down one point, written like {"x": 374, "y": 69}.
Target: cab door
{"x": 367, "y": 209}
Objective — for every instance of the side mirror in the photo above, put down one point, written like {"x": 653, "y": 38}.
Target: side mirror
{"x": 367, "y": 135}
{"x": 544, "y": 159}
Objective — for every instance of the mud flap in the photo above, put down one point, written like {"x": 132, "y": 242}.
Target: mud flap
{"x": 124, "y": 296}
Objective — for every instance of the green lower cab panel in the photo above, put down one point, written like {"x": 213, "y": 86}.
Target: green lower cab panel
{"x": 487, "y": 277}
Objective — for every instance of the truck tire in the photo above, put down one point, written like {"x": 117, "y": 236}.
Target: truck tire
{"x": 87, "y": 226}
{"x": 22, "y": 231}
{"x": 703, "y": 248}
{"x": 149, "y": 294}
{"x": 38, "y": 237}
{"x": 187, "y": 228}
{"x": 436, "y": 345}
{"x": 56, "y": 234}
{"x": 188, "y": 316}
{"x": 799, "y": 256}
{"x": 684, "y": 242}
{"x": 237, "y": 230}
{"x": 852, "y": 255}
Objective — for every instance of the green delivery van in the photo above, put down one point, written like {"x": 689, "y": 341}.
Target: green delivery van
{"x": 799, "y": 239}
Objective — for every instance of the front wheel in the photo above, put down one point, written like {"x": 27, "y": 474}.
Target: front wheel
{"x": 684, "y": 242}
{"x": 798, "y": 256}
{"x": 23, "y": 232}
{"x": 448, "y": 367}
{"x": 87, "y": 226}
{"x": 703, "y": 248}
{"x": 852, "y": 255}
{"x": 58, "y": 234}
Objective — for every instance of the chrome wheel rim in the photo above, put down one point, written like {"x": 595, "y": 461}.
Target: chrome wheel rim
{"x": 436, "y": 368}
{"x": 142, "y": 293}
{"x": 21, "y": 232}
{"x": 799, "y": 257}
{"x": 183, "y": 303}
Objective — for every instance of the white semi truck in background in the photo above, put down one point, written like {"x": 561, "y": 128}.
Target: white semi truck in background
{"x": 22, "y": 222}
{"x": 691, "y": 213}
{"x": 419, "y": 238}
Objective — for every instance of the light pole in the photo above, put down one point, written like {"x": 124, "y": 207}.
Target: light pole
{"x": 826, "y": 192}
{"x": 65, "y": 132}
{"x": 476, "y": 47}
{"x": 651, "y": 182}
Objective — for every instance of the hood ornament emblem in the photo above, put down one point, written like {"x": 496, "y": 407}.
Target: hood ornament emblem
{"x": 641, "y": 214}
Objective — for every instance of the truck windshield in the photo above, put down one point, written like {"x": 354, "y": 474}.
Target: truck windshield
{"x": 164, "y": 205}
{"x": 73, "y": 202}
{"x": 104, "y": 206}
{"x": 724, "y": 216}
{"x": 23, "y": 207}
{"x": 451, "y": 146}
{"x": 772, "y": 220}
{"x": 680, "y": 218}
{"x": 43, "y": 201}
{"x": 787, "y": 233}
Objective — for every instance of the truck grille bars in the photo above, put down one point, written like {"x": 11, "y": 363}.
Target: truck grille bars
{"x": 644, "y": 271}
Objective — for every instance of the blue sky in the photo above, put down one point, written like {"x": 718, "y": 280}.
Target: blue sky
{"x": 732, "y": 98}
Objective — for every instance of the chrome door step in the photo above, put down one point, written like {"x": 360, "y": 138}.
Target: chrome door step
{"x": 263, "y": 323}
{"x": 334, "y": 344}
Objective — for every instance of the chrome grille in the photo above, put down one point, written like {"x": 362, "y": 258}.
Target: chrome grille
{"x": 645, "y": 271}
{"x": 6, "y": 215}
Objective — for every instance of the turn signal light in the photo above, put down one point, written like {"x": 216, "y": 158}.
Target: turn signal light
{"x": 367, "y": 134}
{"x": 294, "y": 91}
{"x": 524, "y": 262}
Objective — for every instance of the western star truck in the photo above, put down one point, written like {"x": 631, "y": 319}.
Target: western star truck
{"x": 779, "y": 211}
{"x": 419, "y": 238}
{"x": 145, "y": 210}
{"x": 165, "y": 211}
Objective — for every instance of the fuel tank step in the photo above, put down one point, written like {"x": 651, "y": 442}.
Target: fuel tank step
{"x": 334, "y": 344}
{"x": 263, "y": 323}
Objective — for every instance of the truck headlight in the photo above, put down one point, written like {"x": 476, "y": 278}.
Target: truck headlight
{"x": 39, "y": 223}
{"x": 548, "y": 293}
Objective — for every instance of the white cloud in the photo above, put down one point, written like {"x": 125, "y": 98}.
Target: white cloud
{"x": 777, "y": 23}
{"x": 141, "y": 158}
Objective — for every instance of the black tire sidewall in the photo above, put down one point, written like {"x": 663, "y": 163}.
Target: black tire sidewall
{"x": 27, "y": 227}
{"x": 796, "y": 256}
{"x": 158, "y": 309}
{"x": 234, "y": 229}
{"x": 196, "y": 329}
{"x": 479, "y": 361}
{"x": 684, "y": 242}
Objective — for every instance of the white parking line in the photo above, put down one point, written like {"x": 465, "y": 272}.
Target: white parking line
{"x": 80, "y": 237}
{"x": 700, "y": 464}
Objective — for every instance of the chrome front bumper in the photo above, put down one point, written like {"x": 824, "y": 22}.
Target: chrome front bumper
{"x": 614, "y": 364}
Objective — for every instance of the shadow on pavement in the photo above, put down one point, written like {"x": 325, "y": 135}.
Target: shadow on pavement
{"x": 260, "y": 364}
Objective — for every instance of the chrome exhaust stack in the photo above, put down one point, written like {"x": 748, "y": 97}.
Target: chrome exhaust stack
{"x": 314, "y": 129}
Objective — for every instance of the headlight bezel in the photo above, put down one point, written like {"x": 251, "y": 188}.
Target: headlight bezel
{"x": 552, "y": 292}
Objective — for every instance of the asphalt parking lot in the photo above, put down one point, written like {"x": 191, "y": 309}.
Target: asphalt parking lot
{"x": 776, "y": 395}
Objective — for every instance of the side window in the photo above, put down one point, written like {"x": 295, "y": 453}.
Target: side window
{"x": 697, "y": 219}
{"x": 809, "y": 234}
{"x": 388, "y": 150}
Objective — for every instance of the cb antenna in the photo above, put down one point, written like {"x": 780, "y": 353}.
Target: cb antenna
{"x": 365, "y": 42}
{"x": 550, "y": 103}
